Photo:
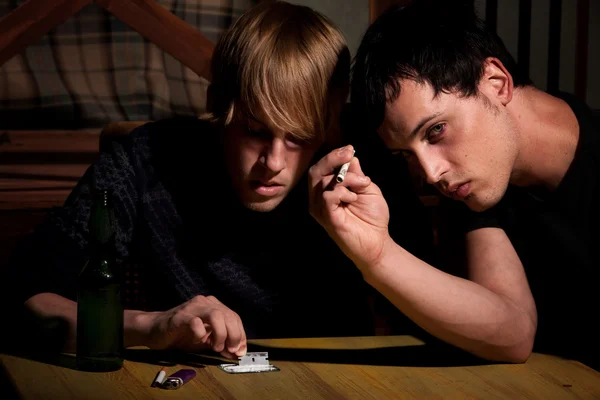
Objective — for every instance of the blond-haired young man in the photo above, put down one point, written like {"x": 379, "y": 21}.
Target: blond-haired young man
{"x": 214, "y": 209}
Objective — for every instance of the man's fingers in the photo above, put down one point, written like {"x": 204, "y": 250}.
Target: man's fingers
{"x": 241, "y": 344}
{"x": 243, "y": 348}
{"x": 355, "y": 182}
{"x": 329, "y": 164}
{"x": 339, "y": 195}
{"x": 197, "y": 328}
{"x": 355, "y": 167}
{"x": 216, "y": 319}
{"x": 327, "y": 183}
{"x": 352, "y": 180}
{"x": 229, "y": 355}
{"x": 233, "y": 323}
{"x": 214, "y": 300}
{"x": 234, "y": 332}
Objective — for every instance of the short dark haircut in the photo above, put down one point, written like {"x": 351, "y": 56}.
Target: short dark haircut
{"x": 439, "y": 42}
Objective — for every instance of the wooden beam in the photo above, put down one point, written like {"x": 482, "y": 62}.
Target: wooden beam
{"x": 581, "y": 50}
{"x": 30, "y": 21}
{"x": 554, "y": 46}
{"x": 377, "y": 7}
{"x": 166, "y": 30}
{"x": 491, "y": 15}
{"x": 524, "y": 44}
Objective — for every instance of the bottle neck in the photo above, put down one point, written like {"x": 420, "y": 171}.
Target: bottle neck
{"x": 101, "y": 224}
{"x": 101, "y": 249}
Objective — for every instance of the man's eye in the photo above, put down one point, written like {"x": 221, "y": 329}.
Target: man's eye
{"x": 296, "y": 141}
{"x": 436, "y": 132}
{"x": 261, "y": 134}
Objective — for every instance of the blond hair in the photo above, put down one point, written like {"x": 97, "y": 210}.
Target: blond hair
{"x": 286, "y": 62}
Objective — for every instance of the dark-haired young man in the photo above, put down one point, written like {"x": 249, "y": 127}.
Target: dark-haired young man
{"x": 444, "y": 92}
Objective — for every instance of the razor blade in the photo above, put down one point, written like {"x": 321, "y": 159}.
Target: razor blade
{"x": 251, "y": 362}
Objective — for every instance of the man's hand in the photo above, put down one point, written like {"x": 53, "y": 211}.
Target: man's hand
{"x": 200, "y": 323}
{"x": 354, "y": 212}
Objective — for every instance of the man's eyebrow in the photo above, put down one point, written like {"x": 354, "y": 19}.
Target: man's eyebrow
{"x": 399, "y": 150}
{"x": 423, "y": 122}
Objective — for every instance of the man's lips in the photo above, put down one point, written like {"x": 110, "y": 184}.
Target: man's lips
{"x": 267, "y": 188}
{"x": 266, "y": 183}
{"x": 458, "y": 192}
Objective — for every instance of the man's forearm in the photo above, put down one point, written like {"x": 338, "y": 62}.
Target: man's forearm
{"x": 458, "y": 311}
{"x": 45, "y": 306}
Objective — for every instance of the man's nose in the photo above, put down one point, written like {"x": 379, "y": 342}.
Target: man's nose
{"x": 432, "y": 169}
{"x": 274, "y": 156}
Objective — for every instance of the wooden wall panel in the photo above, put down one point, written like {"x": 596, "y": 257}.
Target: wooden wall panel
{"x": 38, "y": 169}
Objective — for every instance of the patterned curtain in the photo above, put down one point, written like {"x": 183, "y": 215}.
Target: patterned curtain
{"x": 94, "y": 69}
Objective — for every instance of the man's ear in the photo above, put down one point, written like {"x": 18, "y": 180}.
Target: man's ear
{"x": 496, "y": 82}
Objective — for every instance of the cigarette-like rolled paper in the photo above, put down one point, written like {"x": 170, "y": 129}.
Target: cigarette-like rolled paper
{"x": 343, "y": 170}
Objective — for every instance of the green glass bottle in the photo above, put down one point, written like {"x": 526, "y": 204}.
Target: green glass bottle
{"x": 99, "y": 301}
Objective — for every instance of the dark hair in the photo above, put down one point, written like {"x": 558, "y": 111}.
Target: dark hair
{"x": 439, "y": 42}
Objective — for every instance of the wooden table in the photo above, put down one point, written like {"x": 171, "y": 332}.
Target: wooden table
{"x": 381, "y": 367}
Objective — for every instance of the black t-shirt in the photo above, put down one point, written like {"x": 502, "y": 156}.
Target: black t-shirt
{"x": 180, "y": 222}
{"x": 555, "y": 235}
